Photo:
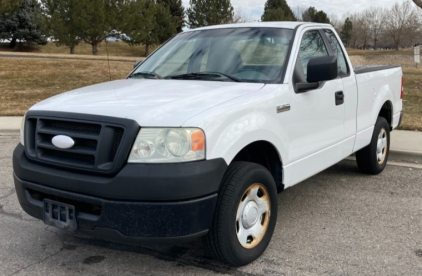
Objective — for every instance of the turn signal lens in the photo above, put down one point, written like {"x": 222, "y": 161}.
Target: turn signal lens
{"x": 198, "y": 140}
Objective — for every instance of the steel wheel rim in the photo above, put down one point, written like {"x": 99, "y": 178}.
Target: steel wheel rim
{"x": 253, "y": 215}
{"x": 382, "y": 145}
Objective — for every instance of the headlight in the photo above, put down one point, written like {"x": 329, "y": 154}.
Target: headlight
{"x": 22, "y": 137}
{"x": 168, "y": 145}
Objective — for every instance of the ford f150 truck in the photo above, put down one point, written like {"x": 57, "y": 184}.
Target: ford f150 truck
{"x": 202, "y": 135}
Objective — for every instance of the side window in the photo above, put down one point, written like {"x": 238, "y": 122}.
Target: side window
{"x": 312, "y": 46}
{"x": 343, "y": 69}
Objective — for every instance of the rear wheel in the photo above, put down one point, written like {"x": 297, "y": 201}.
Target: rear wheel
{"x": 373, "y": 158}
{"x": 246, "y": 214}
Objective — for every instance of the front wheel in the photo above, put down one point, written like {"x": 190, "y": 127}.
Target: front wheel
{"x": 245, "y": 216}
{"x": 373, "y": 158}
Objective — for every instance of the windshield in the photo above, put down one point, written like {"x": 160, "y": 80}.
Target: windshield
{"x": 239, "y": 54}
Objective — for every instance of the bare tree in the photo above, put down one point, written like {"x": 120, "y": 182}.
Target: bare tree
{"x": 376, "y": 18}
{"x": 412, "y": 31}
{"x": 364, "y": 34}
{"x": 298, "y": 11}
{"x": 336, "y": 22}
{"x": 398, "y": 21}
{"x": 354, "y": 41}
{"x": 240, "y": 17}
{"x": 380, "y": 27}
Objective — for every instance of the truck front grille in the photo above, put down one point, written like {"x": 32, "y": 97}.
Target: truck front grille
{"x": 97, "y": 143}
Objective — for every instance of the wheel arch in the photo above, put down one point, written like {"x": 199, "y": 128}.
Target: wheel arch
{"x": 386, "y": 112}
{"x": 264, "y": 153}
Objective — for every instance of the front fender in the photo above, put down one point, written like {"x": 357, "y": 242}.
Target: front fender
{"x": 234, "y": 125}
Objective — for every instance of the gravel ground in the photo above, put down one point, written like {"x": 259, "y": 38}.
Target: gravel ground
{"x": 339, "y": 222}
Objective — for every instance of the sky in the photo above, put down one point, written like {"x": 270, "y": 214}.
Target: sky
{"x": 255, "y": 8}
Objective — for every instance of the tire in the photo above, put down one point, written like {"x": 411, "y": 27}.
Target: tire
{"x": 245, "y": 186}
{"x": 368, "y": 158}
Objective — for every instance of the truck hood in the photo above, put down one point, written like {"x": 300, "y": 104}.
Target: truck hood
{"x": 148, "y": 102}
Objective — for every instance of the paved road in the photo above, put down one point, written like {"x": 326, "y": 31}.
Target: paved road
{"x": 337, "y": 223}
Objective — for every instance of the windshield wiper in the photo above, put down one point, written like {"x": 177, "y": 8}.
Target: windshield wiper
{"x": 200, "y": 75}
{"x": 146, "y": 74}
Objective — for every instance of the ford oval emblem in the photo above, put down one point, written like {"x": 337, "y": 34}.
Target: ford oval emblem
{"x": 63, "y": 142}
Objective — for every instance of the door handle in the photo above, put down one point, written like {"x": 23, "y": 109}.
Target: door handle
{"x": 339, "y": 98}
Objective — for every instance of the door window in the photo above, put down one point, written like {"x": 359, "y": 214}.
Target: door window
{"x": 343, "y": 69}
{"x": 312, "y": 46}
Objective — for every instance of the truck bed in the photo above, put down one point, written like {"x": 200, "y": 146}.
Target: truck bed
{"x": 373, "y": 82}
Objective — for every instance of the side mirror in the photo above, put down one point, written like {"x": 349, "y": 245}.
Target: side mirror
{"x": 137, "y": 63}
{"x": 322, "y": 69}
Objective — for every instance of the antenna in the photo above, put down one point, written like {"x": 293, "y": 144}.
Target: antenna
{"x": 108, "y": 59}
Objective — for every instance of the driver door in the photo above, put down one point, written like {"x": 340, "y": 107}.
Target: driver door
{"x": 315, "y": 126}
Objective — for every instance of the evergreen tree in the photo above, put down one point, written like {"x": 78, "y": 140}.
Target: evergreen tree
{"x": 313, "y": 15}
{"x": 346, "y": 31}
{"x": 177, "y": 11}
{"x": 209, "y": 12}
{"x": 146, "y": 22}
{"x": 62, "y": 22}
{"x": 24, "y": 24}
{"x": 277, "y": 10}
{"x": 96, "y": 21}
{"x": 163, "y": 28}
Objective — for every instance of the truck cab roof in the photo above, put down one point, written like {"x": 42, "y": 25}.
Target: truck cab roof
{"x": 276, "y": 24}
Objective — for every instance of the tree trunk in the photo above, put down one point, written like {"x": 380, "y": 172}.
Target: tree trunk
{"x": 94, "y": 48}
{"x": 146, "y": 49}
{"x": 12, "y": 44}
{"x": 375, "y": 44}
{"x": 72, "y": 50}
{"x": 397, "y": 46}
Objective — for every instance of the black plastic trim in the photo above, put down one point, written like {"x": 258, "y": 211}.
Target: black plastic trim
{"x": 147, "y": 182}
{"x": 131, "y": 129}
{"x": 368, "y": 69}
{"x": 128, "y": 220}
{"x": 289, "y": 54}
{"x": 339, "y": 98}
{"x": 115, "y": 236}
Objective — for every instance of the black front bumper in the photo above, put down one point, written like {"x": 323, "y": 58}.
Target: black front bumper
{"x": 145, "y": 203}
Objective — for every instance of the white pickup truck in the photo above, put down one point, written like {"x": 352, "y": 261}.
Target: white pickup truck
{"x": 198, "y": 140}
